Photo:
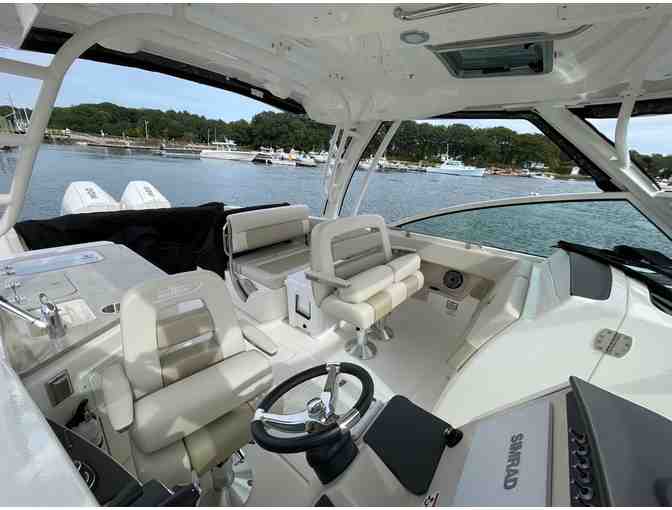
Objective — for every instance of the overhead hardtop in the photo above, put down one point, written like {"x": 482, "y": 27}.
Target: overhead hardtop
{"x": 344, "y": 62}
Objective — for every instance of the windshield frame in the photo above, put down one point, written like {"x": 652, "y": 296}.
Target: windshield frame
{"x": 642, "y": 112}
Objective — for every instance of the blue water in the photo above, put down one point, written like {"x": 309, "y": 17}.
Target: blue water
{"x": 394, "y": 195}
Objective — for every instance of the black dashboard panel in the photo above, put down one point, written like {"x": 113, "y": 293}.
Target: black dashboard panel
{"x": 104, "y": 476}
{"x": 111, "y": 484}
{"x": 630, "y": 446}
{"x": 585, "y": 487}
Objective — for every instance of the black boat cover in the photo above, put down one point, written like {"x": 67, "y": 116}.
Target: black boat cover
{"x": 175, "y": 240}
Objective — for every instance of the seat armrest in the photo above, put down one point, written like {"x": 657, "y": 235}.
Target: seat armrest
{"x": 118, "y": 397}
{"x": 258, "y": 338}
{"x": 328, "y": 279}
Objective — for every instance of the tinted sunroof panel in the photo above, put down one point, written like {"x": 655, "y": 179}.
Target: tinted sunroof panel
{"x": 512, "y": 60}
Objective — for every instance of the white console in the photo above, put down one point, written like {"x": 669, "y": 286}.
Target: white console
{"x": 86, "y": 282}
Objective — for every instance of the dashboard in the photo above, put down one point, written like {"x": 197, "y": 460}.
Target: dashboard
{"x": 578, "y": 446}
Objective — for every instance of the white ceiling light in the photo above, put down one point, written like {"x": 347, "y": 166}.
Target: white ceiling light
{"x": 414, "y": 37}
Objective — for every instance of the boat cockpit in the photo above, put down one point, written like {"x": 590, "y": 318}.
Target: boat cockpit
{"x": 264, "y": 355}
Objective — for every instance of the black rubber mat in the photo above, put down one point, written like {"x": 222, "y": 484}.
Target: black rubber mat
{"x": 410, "y": 442}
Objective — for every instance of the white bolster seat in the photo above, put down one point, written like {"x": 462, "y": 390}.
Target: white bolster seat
{"x": 376, "y": 307}
{"x": 377, "y": 282}
{"x": 265, "y": 246}
{"x": 178, "y": 410}
{"x": 185, "y": 390}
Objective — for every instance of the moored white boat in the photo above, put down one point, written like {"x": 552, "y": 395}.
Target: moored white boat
{"x": 451, "y": 166}
{"x": 305, "y": 160}
{"x": 227, "y": 150}
{"x": 270, "y": 156}
{"x": 319, "y": 157}
{"x": 188, "y": 152}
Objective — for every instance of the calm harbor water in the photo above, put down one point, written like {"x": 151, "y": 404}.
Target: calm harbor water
{"x": 394, "y": 195}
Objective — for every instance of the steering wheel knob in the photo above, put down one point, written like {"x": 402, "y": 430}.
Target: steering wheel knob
{"x": 316, "y": 409}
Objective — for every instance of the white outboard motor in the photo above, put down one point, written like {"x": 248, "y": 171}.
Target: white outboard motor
{"x": 86, "y": 197}
{"x": 143, "y": 195}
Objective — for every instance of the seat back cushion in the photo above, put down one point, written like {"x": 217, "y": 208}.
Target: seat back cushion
{"x": 366, "y": 284}
{"x": 347, "y": 246}
{"x": 256, "y": 229}
{"x": 405, "y": 266}
{"x": 160, "y": 351}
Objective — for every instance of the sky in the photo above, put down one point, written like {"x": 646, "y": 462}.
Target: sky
{"x": 92, "y": 82}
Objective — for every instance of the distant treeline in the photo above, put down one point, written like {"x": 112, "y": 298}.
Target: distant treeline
{"x": 414, "y": 141}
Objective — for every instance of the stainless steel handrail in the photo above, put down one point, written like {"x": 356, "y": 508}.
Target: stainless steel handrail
{"x": 437, "y": 10}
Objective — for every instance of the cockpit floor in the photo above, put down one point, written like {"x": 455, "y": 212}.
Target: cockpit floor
{"x": 413, "y": 363}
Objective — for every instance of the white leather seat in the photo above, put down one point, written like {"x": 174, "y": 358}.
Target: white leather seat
{"x": 185, "y": 387}
{"x": 365, "y": 283}
{"x": 264, "y": 247}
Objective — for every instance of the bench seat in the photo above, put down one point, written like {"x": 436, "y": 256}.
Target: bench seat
{"x": 270, "y": 266}
{"x": 265, "y": 247}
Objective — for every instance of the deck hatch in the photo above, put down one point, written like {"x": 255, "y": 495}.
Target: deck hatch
{"x": 516, "y": 59}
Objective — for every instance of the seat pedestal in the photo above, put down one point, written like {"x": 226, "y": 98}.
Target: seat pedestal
{"x": 361, "y": 347}
{"x": 232, "y": 481}
{"x": 381, "y": 331}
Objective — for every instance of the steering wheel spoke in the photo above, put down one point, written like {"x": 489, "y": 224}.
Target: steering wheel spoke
{"x": 296, "y": 422}
{"x": 329, "y": 394}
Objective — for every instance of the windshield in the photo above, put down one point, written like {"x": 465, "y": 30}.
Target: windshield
{"x": 431, "y": 165}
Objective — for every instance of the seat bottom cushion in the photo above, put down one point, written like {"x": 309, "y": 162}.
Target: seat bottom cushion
{"x": 270, "y": 266}
{"x": 364, "y": 314}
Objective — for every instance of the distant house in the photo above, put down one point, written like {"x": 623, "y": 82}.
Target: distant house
{"x": 536, "y": 165}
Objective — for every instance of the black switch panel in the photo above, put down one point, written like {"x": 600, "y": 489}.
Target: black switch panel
{"x": 584, "y": 488}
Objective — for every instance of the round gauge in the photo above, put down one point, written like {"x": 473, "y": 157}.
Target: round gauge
{"x": 453, "y": 279}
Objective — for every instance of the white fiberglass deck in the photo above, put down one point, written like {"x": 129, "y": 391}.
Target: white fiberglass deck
{"x": 412, "y": 364}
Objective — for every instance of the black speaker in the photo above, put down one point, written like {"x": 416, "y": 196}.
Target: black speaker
{"x": 453, "y": 279}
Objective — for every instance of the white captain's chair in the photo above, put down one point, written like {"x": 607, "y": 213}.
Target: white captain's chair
{"x": 186, "y": 402}
{"x": 356, "y": 276}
